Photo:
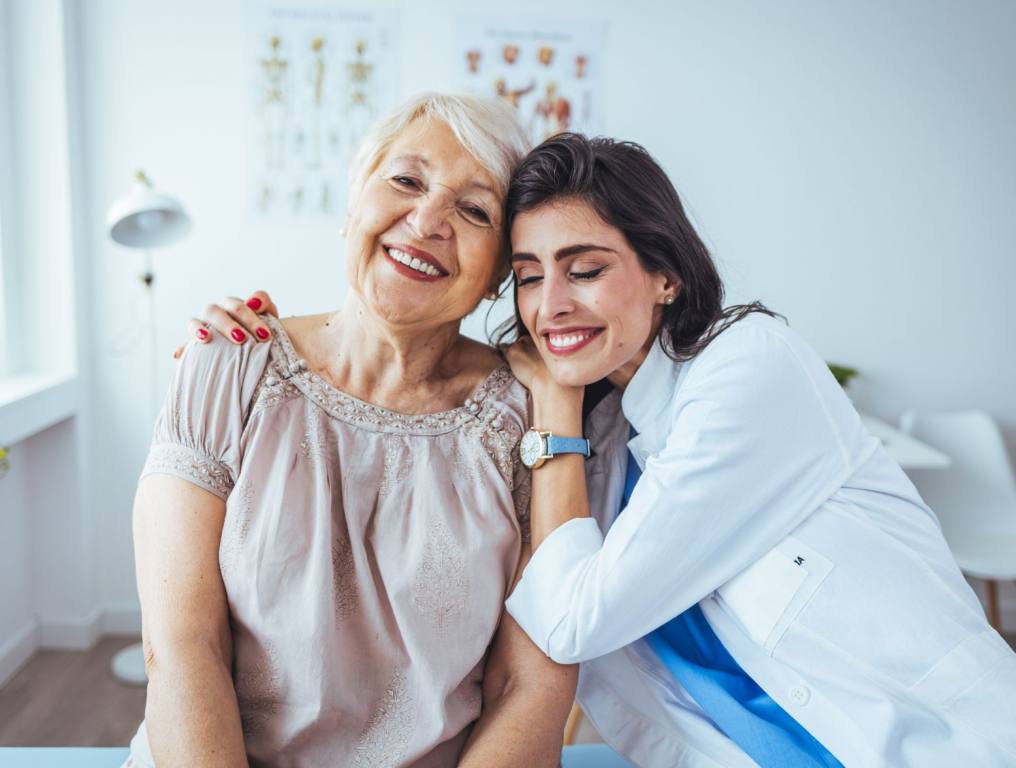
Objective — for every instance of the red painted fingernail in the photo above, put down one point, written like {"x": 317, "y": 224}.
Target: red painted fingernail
{"x": 254, "y": 303}
{"x": 237, "y": 334}
{"x": 262, "y": 333}
{"x": 202, "y": 333}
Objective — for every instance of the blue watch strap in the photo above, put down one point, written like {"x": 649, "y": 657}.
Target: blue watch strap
{"x": 556, "y": 445}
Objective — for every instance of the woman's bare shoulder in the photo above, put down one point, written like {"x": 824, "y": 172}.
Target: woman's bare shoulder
{"x": 298, "y": 326}
{"x": 478, "y": 359}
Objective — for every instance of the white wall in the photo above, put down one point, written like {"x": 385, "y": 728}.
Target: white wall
{"x": 851, "y": 164}
{"x": 47, "y": 550}
{"x": 18, "y": 624}
{"x": 49, "y": 588}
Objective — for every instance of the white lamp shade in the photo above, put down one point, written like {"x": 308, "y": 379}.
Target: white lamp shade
{"x": 145, "y": 218}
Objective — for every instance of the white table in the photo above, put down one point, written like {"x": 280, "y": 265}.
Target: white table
{"x": 905, "y": 450}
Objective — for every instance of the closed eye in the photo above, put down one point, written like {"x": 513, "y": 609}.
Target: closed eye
{"x": 406, "y": 181}
{"x": 588, "y": 275}
{"x": 475, "y": 215}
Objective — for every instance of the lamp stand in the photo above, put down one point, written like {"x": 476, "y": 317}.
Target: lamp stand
{"x": 128, "y": 664}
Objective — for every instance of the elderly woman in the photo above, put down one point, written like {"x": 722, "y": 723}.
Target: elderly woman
{"x": 328, "y": 523}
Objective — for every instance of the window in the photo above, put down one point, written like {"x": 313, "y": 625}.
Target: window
{"x": 6, "y": 199}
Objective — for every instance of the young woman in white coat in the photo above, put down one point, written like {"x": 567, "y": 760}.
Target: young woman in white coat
{"x": 744, "y": 574}
{"x": 749, "y": 576}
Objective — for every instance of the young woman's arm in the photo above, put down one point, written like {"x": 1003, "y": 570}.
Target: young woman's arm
{"x": 191, "y": 713}
{"x": 747, "y": 452}
{"x": 559, "y": 485}
{"x": 526, "y": 701}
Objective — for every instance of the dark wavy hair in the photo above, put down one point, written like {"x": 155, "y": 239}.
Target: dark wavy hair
{"x": 629, "y": 190}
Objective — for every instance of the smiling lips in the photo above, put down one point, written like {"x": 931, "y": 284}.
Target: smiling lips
{"x": 414, "y": 263}
{"x": 569, "y": 340}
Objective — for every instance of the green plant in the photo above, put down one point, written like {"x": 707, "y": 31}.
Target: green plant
{"x": 843, "y": 373}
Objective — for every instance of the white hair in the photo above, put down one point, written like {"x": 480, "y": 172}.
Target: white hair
{"x": 486, "y": 127}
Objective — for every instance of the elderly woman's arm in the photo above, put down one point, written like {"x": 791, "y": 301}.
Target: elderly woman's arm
{"x": 191, "y": 713}
{"x": 526, "y": 701}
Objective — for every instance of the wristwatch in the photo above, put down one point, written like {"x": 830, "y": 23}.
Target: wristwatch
{"x": 537, "y": 447}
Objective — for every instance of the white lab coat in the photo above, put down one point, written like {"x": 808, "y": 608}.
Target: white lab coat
{"x": 764, "y": 500}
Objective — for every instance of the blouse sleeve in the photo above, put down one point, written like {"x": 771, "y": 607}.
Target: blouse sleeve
{"x": 521, "y": 494}
{"x": 197, "y": 433}
{"x": 514, "y": 414}
{"x": 751, "y": 452}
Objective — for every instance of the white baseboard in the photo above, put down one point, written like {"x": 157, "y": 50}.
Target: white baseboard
{"x": 17, "y": 650}
{"x": 82, "y": 633}
{"x": 122, "y": 620}
{"x": 78, "y": 634}
{"x": 70, "y": 634}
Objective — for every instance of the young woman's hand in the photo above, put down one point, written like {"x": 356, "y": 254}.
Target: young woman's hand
{"x": 555, "y": 406}
{"x": 235, "y": 319}
{"x": 526, "y": 363}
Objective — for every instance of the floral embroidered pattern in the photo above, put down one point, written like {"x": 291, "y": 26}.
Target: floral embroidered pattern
{"x": 292, "y": 370}
{"x": 467, "y": 456}
{"x": 258, "y": 687}
{"x": 187, "y": 463}
{"x": 344, "y": 578}
{"x": 441, "y": 586}
{"x": 316, "y": 443}
{"x": 396, "y": 465}
{"x": 271, "y": 390}
{"x": 384, "y": 740}
{"x": 236, "y": 527}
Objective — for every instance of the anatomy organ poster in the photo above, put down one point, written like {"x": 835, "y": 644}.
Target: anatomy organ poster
{"x": 550, "y": 72}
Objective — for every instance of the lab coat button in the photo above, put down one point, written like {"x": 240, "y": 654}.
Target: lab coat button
{"x": 800, "y": 695}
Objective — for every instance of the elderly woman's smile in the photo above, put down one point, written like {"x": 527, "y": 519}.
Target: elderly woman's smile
{"x": 414, "y": 263}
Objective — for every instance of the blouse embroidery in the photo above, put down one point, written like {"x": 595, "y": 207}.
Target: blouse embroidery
{"x": 395, "y": 468}
{"x": 384, "y": 740}
{"x": 173, "y": 459}
{"x": 237, "y": 526}
{"x": 315, "y": 444}
{"x": 345, "y": 597}
{"x": 441, "y": 585}
{"x": 257, "y": 693}
{"x": 287, "y": 375}
{"x": 290, "y": 370}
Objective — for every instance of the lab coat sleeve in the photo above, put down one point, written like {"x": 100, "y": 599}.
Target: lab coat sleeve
{"x": 751, "y": 452}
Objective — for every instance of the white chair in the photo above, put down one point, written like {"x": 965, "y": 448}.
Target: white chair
{"x": 974, "y": 498}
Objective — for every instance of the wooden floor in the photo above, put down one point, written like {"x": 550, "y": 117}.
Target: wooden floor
{"x": 70, "y": 699}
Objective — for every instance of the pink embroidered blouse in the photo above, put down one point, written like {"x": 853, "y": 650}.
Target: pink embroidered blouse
{"x": 366, "y": 554}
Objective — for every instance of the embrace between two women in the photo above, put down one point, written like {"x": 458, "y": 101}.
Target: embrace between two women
{"x": 364, "y": 539}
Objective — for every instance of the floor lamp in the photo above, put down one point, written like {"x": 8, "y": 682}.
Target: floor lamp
{"x": 143, "y": 219}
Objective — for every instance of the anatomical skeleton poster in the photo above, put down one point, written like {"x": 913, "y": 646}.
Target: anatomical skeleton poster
{"x": 321, "y": 75}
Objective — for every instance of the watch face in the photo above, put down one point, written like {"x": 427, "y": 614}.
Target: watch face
{"x": 531, "y": 448}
